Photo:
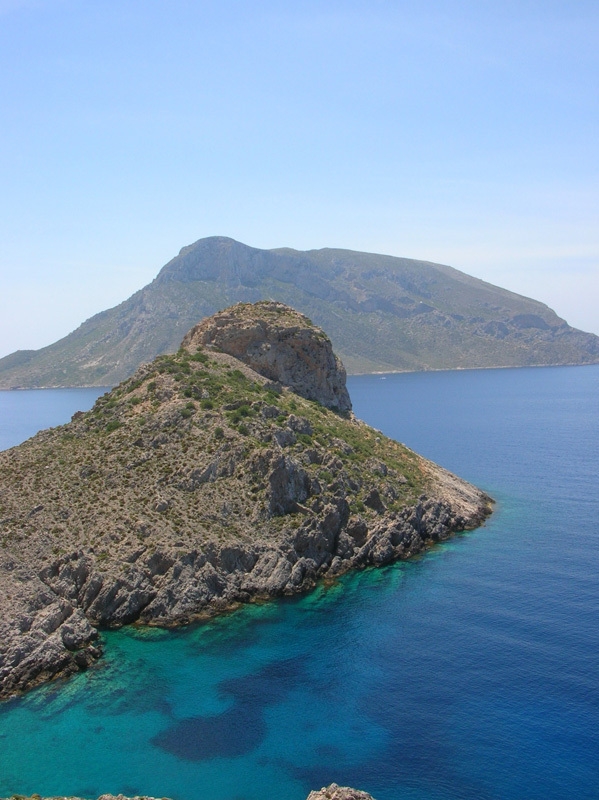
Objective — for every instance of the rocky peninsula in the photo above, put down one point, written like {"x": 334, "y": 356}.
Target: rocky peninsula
{"x": 230, "y": 472}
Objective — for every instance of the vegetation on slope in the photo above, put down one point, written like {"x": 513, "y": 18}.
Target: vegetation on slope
{"x": 175, "y": 452}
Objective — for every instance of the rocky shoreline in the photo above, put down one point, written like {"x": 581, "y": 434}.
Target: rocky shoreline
{"x": 332, "y": 792}
{"x": 229, "y": 473}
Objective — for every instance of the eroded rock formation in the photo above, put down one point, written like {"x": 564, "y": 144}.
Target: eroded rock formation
{"x": 282, "y": 345}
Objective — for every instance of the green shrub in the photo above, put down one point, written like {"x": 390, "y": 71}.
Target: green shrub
{"x": 131, "y": 387}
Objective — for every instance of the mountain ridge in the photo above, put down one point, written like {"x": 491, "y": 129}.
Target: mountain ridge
{"x": 383, "y": 314}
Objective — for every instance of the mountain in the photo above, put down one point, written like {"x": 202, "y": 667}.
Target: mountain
{"x": 204, "y": 481}
{"x": 382, "y": 314}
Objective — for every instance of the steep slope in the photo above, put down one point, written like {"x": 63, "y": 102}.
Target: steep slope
{"x": 199, "y": 484}
{"x": 382, "y": 313}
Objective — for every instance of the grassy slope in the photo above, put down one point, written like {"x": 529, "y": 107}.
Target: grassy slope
{"x": 141, "y": 445}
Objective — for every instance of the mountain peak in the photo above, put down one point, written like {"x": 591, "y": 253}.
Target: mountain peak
{"x": 382, "y": 313}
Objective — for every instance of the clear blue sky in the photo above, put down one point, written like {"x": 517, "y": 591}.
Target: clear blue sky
{"x": 463, "y": 132}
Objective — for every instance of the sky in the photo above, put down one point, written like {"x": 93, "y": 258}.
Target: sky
{"x": 464, "y": 132}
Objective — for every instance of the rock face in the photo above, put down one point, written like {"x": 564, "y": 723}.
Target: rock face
{"x": 197, "y": 485}
{"x": 282, "y": 345}
{"x": 43, "y": 634}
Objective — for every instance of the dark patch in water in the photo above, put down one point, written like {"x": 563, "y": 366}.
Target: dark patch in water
{"x": 87, "y": 791}
{"x": 240, "y": 729}
{"x": 267, "y": 686}
{"x": 234, "y": 733}
{"x": 128, "y": 790}
{"x": 328, "y": 752}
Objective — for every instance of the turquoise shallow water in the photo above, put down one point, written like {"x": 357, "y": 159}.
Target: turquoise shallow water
{"x": 471, "y": 672}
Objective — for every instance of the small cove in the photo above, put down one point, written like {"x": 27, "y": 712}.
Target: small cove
{"x": 468, "y": 673}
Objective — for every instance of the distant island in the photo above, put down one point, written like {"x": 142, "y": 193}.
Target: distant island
{"x": 231, "y": 471}
{"x": 383, "y": 314}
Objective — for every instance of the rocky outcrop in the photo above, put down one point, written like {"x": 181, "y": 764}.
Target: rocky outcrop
{"x": 334, "y": 792}
{"x": 195, "y": 486}
{"x": 102, "y": 797}
{"x": 41, "y": 633}
{"x": 282, "y": 345}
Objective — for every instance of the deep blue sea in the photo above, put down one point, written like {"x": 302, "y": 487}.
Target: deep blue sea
{"x": 471, "y": 672}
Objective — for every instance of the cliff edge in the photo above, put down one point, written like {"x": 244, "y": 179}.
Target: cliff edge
{"x": 204, "y": 481}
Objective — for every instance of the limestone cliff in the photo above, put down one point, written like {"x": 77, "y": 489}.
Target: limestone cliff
{"x": 199, "y": 484}
{"x": 280, "y": 344}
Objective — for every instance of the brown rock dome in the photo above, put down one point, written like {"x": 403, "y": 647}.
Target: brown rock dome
{"x": 279, "y": 343}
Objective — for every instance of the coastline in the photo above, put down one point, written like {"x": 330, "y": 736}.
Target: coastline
{"x": 350, "y": 374}
{"x": 61, "y": 635}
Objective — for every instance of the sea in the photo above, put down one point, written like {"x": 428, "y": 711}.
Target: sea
{"x": 469, "y": 673}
